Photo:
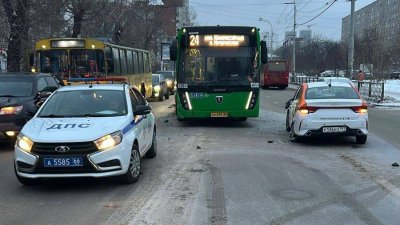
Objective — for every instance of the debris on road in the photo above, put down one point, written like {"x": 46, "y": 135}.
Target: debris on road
{"x": 395, "y": 164}
{"x": 198, "y": 147}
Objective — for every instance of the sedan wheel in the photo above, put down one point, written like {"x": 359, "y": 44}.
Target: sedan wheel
{"x": 287, "y": 122}
{"x": 361, "y": 139}
{"x": 132, "y": 175}
{"x": 293, "y": 137}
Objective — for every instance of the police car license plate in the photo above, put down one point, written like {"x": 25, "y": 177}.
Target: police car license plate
{"x": 219, "y": 114}
{"x": 63, "y": 162}
{"x": 333, "y": 129}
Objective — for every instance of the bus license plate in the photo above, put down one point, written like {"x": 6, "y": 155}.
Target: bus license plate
{"x": 333, "y": 129}
{"x": 63, "y": 162}
{"x": 219, "y": 114}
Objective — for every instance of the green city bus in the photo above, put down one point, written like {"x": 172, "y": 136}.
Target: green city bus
{"x": 72, "y": 59}
{"x": 218, "y": 71}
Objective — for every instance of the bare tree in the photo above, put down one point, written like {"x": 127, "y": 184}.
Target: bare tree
{"x": 82, "y": 10}
{"x": 17, "y": 16}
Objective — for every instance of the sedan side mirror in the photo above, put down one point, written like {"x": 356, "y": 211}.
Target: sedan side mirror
{"x": 142, "y": 109}
{"x": 288, "y": 103}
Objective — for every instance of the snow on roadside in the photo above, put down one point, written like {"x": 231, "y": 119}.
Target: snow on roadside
{"x": 392, "y": 96}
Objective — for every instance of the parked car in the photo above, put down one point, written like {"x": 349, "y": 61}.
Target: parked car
{"x": 88, "y": 130}
{"x": 394, "y": 75}
{"x": 323, "y": 109}
{"x": 336, "y": 79}
{"x": 20, "y": 96}
{"x": 170, "y": 79}
{"x": 160, "y": 89}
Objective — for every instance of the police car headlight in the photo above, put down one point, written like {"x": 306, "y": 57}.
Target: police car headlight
{"x": 157, "y": 88}
{"x": 24, "y": 143}
{"x": 108, "y": 141}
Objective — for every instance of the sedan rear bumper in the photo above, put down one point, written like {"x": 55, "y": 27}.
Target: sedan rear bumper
{"x": 308, "y": 127}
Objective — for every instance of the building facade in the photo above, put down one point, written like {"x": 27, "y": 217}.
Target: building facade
{"x": 305, "y": 35}
{"x": 379, "y": 20}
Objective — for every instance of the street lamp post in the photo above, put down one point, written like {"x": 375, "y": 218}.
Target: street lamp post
{"x": 272, "y": 33}
{"x": 350, "y": 56}
{"x": 294, "y": 38}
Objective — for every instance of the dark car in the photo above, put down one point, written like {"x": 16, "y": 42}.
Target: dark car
{"x": 394, "y": 75}
{"x": 170, "y": 79}
{"x": 160, "y": 89}
{"x": 20, "y": 96}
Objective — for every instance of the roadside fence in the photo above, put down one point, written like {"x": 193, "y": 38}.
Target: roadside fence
{"x": 303, "y": 79}
{"x": 371, "y": 89}
{"x": 368, "y": 89}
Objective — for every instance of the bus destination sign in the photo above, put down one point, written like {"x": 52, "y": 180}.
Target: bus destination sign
{"x": 218, "y": 40}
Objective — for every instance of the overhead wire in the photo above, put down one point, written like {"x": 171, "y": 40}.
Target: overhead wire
{"x": 333, "y": 2}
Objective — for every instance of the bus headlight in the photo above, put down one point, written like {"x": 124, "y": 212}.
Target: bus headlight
{"x": 108, "y": 141}
{"x": 185, "y": 100}
{"x": 251, "y": 101}
{"x": 24, "y": 143}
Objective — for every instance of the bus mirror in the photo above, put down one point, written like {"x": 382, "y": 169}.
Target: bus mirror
{"x": 185, "y": 40}
{"x": 264, "y": 52}
{"x": 173, "y": 48}
{"x": 31, "y": 59}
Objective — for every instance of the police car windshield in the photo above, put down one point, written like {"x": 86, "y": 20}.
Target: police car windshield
{"x": 85, "y": 103}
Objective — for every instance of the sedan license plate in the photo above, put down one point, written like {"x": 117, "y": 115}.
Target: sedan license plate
{"x": 219, "y": 114}
{"x": 333, "y": 129}
{"x": 63, "y": 162}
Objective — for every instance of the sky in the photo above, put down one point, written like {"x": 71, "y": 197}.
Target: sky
{"x": 248, "y": 13}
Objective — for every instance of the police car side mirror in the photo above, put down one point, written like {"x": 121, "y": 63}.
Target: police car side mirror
{"x": 142, "y": 109}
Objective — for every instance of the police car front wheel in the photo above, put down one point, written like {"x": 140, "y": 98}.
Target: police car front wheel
{"x": 132, "y": 175}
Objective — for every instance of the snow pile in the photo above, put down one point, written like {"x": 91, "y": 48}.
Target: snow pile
{"x": 392, "y": 95}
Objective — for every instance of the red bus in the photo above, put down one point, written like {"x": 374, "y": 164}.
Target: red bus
{"x": 276, "y": 74}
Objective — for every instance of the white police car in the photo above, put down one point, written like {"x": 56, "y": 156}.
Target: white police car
{"x": 97, "y": 130}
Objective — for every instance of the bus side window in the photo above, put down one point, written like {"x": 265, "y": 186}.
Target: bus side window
{"x": 116, "y": 59}
{"x": 141, "y": 63}
{"x": 135, "y": 62}
{"x": 109, "y": 59}
{"x": 129, "y": 61}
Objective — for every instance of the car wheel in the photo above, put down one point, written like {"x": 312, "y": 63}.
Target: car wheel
{"x": 24, "y": 180}
{"x": 362, "y": 139}
{"x": 161, "y": 96}
{"x": 152, "y": 152}
{"x": 132, "y": 175}
{"x": 293, "y": 137}
{"x": 167, "y": 95}
{"x": 242, "y": 119}
{"x": 287, "y": 122}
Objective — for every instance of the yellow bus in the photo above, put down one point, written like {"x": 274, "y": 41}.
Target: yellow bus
{"x": 91, "y": 58}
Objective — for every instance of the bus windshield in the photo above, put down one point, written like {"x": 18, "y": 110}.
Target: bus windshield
{"x": 277, "y": 66}
{"x": 217, "y": 65}
{"x": 72, "y": 63}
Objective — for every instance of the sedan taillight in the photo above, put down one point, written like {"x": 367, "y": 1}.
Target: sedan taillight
{"x": 361, "y": 109}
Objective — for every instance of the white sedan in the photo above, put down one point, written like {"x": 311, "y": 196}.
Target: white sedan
{"x": 321, "y": 108}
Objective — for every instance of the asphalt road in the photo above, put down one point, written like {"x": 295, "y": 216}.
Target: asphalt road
{"x": 227, "y": 172}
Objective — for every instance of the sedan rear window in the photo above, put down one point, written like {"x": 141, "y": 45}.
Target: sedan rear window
{"x": 333, "y": 92}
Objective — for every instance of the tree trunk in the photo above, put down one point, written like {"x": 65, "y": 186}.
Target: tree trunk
{"x": 18, "y": 21}
{"x": 78, "y": 17}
